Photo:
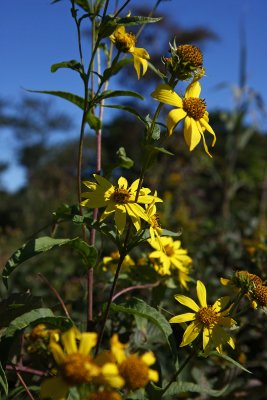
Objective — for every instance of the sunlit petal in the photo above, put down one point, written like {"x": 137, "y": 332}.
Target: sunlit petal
{"x": 165, "y": 94}
{"x": 192, "y": 331}
{"x": 186, "y": 301}
{"x": 173, "y": 118}
{"x": 87, "y": 342}
{"x": 69, "y": 341}
{"x": 193, "y": 90}
{"x": 201, "y": 294}
{"x": 178, "y": 319}
{"x": 191, "y": 133}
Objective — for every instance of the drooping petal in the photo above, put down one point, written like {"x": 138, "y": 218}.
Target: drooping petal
{"x": 178, "y": 319}
{"x": 191, "y": 332}
{"x": 69, "y": 341}
{"x": 191, "y": 133}
{"x": 203, "y": 138}
{"x": 201, "y": 294}
{"x": 165, "y": 94}
{"x": 193, "y": 90}
{"x": 87, "y": 342}
{"x": 173, "y": 118}
{"x": 207, "y": 126}
{"x": 206, "y": 337}
{"x": 54, "y": 388}
{"x": 186, "y": 301}
{"x": 120, "y": 220}
{"x": 178, "y": 264}
{"x": 140, "y": 57}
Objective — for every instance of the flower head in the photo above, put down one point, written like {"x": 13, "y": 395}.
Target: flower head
{"x": 133, "y": 368}
{"x": 119, "y": 199}
{"x": 125, "y": 42}
{"x": 191, "y": 108}
{"x": 155, "y": 229}
{"x": 171, "y": 256}
{"x": 210, "y": 320}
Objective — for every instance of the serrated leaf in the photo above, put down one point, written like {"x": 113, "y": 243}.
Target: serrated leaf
{"x": 128, "y": 109}
{"x": 140, "y": 308}
{"x": 3, "y": 380}
{"x": 26, "y": 319}
{"x": 92, "y": 120}
{"x": 115, "y": 93}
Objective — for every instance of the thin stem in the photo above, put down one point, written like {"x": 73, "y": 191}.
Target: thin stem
{"x": 105, "y": 9}
{"x": 23, "y": 384}
{"x": 149, "y": 15}
{"x": 27, "y": 370}
{"x": 122, "y": 7}
{"x": 74, "y": 14}
{"x": 177, "y": 373}
{"x": 130, "y": 288}
{"x": 55, "y": 293}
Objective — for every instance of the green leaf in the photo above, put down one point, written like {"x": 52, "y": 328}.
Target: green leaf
{"x": 140, "y": 308}
{"x": 26, "y": 319}
{"x": 115, "y": 93}
{"x": 128, "y": 109}
{"x": 17, "y": 304}
{"x": 92, "y": 120}
{"x": 43, "y": 244}
{"x": 162, "y": 150}
{"x": 137, "y": 20}
{"x": 230, "y": 360}
{"x": 123, "y": 160}
{"x": 114, "y": 69}
{"x": 3, "y": 380}
{"x": 156, "y": 128}
{"x": 72, "y": 64}
{"x": 183, "y": 387}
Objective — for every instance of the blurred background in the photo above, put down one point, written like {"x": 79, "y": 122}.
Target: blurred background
{"x": 220, "y": 204}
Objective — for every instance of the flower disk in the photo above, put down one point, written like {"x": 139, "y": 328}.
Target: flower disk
{"x": 77, "y": 369}
{"x": 190, "y": 54}
{"x": 135, "y": 372}
{"x": 194, "y": 107}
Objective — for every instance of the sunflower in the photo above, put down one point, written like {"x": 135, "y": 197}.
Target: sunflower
{"x": 191, "y": 108}
{"x": 119, "y": 199}
{"x": 209, "y": 320}
{"x": 125, "y": 42}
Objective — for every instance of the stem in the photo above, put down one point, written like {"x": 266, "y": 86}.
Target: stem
{"x": 130, "y": 288}
{"x": 23, "y": 384}
{"x": 122, "y": 7}
{"x": 55, "y": 293}
{"x": 27, "y": 370}
{"x": 177, "y": 373}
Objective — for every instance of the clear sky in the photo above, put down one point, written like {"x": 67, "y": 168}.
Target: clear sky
{"x": 35, "y": 34}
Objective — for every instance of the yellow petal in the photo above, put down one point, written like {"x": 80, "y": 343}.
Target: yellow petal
{"x": 103, "y": 182}
{"x": 123, "y": 183}
{"x": 148, "y": 358}
{"x": 54, "y": 388}
{"x": 87, "y": 342}
{"x": 201, "y": 294}
{"x": 141, "y": 53}
{"x": 192, "y": 331}
{"x": 186, "y": 301}
{"x": 193, "y": 90}
{"x": 221, "y": 303}
{"x": 178, "y": 319}
{"x": 120, "y": 220}
{"x": 57, "y": 352}
{"x": 111, "y": 375}
{"x": 173, "y": 118}
{"x": 69, "y": 341}
{"x": 191, "y": 133}
{"x": 207, "y": 126}
{"x": 206, "y": 337}
{"x": 165, "y": 94}
{"x": 153, "y": 375}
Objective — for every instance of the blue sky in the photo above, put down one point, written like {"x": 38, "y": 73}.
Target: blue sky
{"x": 35, "y": 34}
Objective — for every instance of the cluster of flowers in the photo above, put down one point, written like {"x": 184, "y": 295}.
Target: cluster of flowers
{"x": 97, "y": 377}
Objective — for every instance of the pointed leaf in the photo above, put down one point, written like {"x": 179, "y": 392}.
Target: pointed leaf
{"x": 230, "y": 360}
{"x": 72, "y": 64}
{"x": 17, "y": 304}
{"x": 115, "y": 93}
{"x": 140, "y": 308}
{"x": 137, "y": 20}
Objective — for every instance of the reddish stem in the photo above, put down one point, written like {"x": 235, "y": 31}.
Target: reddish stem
{"x": 130, "y": 288}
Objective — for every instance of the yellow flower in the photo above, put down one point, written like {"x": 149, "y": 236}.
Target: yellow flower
{"x": 191, "y": 108}
{"x": 118, "y": 199}
{"x": 133, "y": 368}
{"x": 155, "y": 229}
{"x": 75, "y": 365}
{"x": 171, "y": 256}
{"x": 111, "y": 262}
{"x": 206, "y": 319}
{"x": 125, "y": 42}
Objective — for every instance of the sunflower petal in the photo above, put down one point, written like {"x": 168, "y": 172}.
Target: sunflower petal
{"x": 193, "y": 90}
{"x": 191, "y": 133}
{"x": 165, "y": 94}
{"x": 201, "y": 294}
{"x": 178, "y": 319}
{"x": 173, "y": 118}
{"x": 186, "y": 301}
{"x": 87, "y": 342}
{"x": 190, "y": 334}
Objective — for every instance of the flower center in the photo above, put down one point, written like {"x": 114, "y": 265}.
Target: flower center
{"x": 190, "y": 54}
{"x": 78, "y": 368}
{"x": 135, "y": 372}
{"x": 194, "y": 107}
{"x": 121, "y": 196}
{"x": 124, "y": 42}
{"x": 207, "y": 316}
{"x": 169, "y": 250}
{"x": 260, "y": 294}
